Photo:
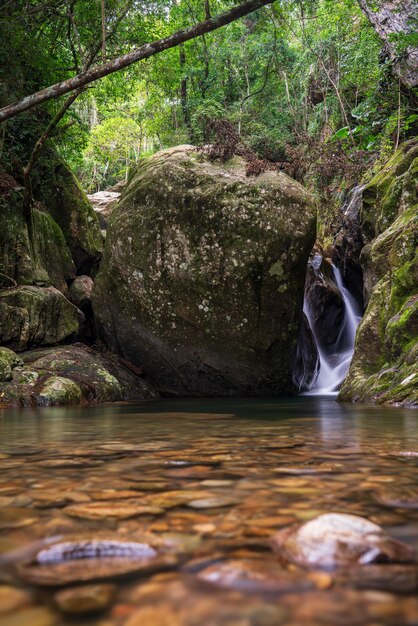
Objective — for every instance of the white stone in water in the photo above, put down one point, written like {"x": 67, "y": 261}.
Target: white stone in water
{"x": 72, "y": 550}
{"x": 334, "y": 539}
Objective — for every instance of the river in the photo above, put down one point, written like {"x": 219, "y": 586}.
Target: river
{"x": 207, "y": 483}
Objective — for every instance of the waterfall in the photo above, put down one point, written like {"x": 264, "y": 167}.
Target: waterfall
{"x": 334, "y": 363}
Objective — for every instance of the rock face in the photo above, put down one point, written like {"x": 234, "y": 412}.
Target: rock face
{"x": 8, "y": 361}
{"x": 37, "y": 316}
{"x": 67, "y": 203}
{"x": 323, "y": 298}
{"x": 67, "y": 375}
{"x": 348, "y": 244}
{"x": 385, "y": 363}
{"x": 203, "y": 272}
{"x": 45, "y": 261}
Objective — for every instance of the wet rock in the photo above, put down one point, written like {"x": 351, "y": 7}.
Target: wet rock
{"x": 33, "y": 616}
{"x": 119, "y": 510}
{"x": 253, "y": 575}
{"x": 399, "y": 498}
{"x": 212, "y": 503}
{"x": 70, "y": 375}
{"x": 83, "y": 560}
{"x": 59, "y": 390}
{"x": 384, "y": 366}
{"x": 155, "y": 616}
{"x": 307, "y": 358}
{"x": 84, "y": 599}
{"x": 334, "y": 540}
{"x": 348, "y": 244}
{"x": 324, "y": 301}
{"x": 12, "y": 599}
{"x": 16, "y": 518}
{"x": 210, "y": 305}
{"x": 394, "y": 578}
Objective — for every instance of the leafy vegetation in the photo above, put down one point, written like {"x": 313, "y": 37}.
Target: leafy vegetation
{"x": 304, "y": 83}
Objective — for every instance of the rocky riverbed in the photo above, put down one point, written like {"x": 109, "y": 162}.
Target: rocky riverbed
{"x": 249, "y": 513}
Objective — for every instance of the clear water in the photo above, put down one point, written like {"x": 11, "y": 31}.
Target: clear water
{"x": 221, "y": 477}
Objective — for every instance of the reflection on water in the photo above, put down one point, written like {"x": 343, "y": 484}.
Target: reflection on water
{"x": 206, "y": 482}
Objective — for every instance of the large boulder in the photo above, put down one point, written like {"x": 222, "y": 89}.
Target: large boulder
{"x": 203, "y": 273}
{"x": 385, "y": 363}
{"x": 37, "y": 316}
{"x": 68, "y": 375}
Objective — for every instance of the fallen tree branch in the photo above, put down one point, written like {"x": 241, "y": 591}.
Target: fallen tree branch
{"x": 144, "y": 52}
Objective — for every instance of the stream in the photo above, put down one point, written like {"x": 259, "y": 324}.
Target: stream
{"x": 202, "y": 485}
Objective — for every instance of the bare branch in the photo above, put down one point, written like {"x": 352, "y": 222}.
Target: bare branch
{"x": 144, "y": 52}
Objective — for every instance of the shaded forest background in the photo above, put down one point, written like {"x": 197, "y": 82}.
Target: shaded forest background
{"x": 302, "y": 83}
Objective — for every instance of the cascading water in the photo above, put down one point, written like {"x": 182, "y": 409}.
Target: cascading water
{"x": 334, "y": 363}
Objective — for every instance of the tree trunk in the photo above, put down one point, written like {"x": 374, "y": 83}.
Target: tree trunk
{"x": 183, "y": 88}
{"x": 393, "y": 19}
{"x": 144, "y": 52}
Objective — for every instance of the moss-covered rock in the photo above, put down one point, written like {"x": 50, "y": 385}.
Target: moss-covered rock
{"x": 45, "y": 260}
{"x": 8, "y": 361}
{"x": 385, "y": 363}
{"x": 59, "y": 390}
{"x": 37, "y": 316}
{"x": 203, "y": 273}
{"x": 67, "y": 203}
{"x": 70, "y": 375}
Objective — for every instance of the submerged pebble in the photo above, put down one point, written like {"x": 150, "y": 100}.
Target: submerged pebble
{"x": 335, "y": 539}
{"x": 85, "y": 598}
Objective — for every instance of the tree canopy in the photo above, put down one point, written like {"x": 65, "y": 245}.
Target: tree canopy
{"x": 291, "y": 76}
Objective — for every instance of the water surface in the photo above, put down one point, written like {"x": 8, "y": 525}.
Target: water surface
{"x": 208, "y": 482}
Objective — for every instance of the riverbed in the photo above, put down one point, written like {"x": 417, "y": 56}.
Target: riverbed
{"x": 204, "y": 485}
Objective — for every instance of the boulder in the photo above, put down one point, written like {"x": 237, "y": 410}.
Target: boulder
{"x": 203, "y": 273}
{"x": 348, "y": 244}
{"x": 62, "y": 195}
{"x": 384, "y": 368}
{"x": 81, "y": 290}
{"x": 37, "y": 316}
{"x": 8, "y": 361}
{"x": 70, "y": 375}
{"x": 44, "y": 260}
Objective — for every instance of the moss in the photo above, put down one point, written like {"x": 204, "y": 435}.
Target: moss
{"x": 68, "y": 375}
{"x": 59, "y": 390}
{"x": 44, "y": 261}
{"x": 8, "y": 361}
{"x": 67, "y": 203}
{"x": 197, "y": 258}
{"x": 386, "y": 352}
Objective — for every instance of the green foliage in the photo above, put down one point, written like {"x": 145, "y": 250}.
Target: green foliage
{"x": 299, "y": 73}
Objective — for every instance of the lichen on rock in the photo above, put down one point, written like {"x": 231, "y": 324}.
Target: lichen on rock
{"x": 71, "y": 374}
{"x": 385, "y": 364}
{"x": 203, "y": 273}
{"x": 8, "y": 361}
{"x": 37, "y": 316}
